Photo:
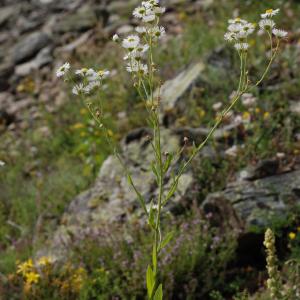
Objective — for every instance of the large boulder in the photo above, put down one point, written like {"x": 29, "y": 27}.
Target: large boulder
{"x": 254, "y": 204}
{"x": 30, "y": 46}
{"x": 111, "y": 198}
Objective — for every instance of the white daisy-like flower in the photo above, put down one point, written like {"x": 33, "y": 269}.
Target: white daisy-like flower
{"x": 266, "y": 24}
{"x": 150, "y": 17}
{"x": 137, "y": 53}
{"x": 270, "y": 13}
{"x": 82, "y": 72}
{"x": 237, "y": 21}
{"x": 248, "y": 28}
{"x": 137, "y": 67}
{"x": 235, "y": 27}
{"x": 78, "y": 89}
{"x": 103, "y": 73}
{"x": 141, "y": 29}
{"x": 93, "y": 84}
{"x": 61, "y": 71}
{"x": 115, "y": 38}
{"x": 150, "y": 3}
{"x": 248, "y": 100}
{"x": 159, "y": 10}
{"x": 241, "y": 46}
{"x": 229, "y": 36}
{"x": 279, "y": 33}
{"x": 157, "y": 32}
{"x": 2, "y": 163}
{"x": 217, "y": 106}
{"x": 131, "y": 42}
{"x": 140, "y": 12}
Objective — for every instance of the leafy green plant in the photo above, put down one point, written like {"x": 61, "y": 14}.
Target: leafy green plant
{"x": 143, "y": 69}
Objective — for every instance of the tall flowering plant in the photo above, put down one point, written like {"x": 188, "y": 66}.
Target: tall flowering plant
{"x": 140, "y": 63}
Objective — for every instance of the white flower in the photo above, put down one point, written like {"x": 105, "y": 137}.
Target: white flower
{"x": 82, "y": 72}
{"x": 266, "y": 24}
{"x": 93, "y": 84}
{"x": 157, "y": 32}
{"x": 159, "y": 10}
{"x": 141, "y": 29}
{"x": 248, "y": 100}
{"x": 131, "y": 42}
{"x": 235, "y": 27}
{"x": 115, "y": 38}
{"x": 270, "y": 13}
{"x": 139, "y": 12}
{"x": 232, "y": 151}
{"x": 135, "y": 67}
{"x": 78, "y": 89}
{"x": 241, "y": 46}
{"x": 237, "y": 21}
{"x": 150, "y": 3}
{"x": 137, "y": 53}
{"x": 149, "y": 17}
{"x": 217, "y": 106}
{"x": 279, "y": 33}
{"x": 61, "y": 71}
{"x": 229, "y": 36}
{"x": 2, "y": 163}
{"x": 248, "y": 28}
{"x": 103, "y": 73}
{"x": 238, "y": 120}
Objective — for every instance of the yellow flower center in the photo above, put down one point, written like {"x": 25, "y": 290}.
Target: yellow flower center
{"x": 269, "y": 11}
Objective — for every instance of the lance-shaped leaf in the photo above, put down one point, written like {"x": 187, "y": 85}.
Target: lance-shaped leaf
{"x": 150, "y": 281}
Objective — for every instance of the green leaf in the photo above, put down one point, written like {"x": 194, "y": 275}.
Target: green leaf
{"x": 171, "y": 191}
{"x": 150, "y": 281}
{"x": 159, "y": 293}
{"x": 154, "y": 170}
{"x": 168, "y": 162}
{"x": 166, "y": 240}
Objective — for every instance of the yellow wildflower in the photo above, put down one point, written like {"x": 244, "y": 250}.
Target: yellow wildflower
{"x": 25, "y": 267}
{"x": 83, "y": 111}
{"x": 257, "y": 110}
{"x": 32, "y": 277}
{"x": 201, "y": 112}
{"x": 45, "y": 261}
{"x": 266, "y": 115}
{"x": 292, "y": 235}
{"x": 246, "y": 116}
{"x": 78, "y": 126}
{"x": 110, "y": 133}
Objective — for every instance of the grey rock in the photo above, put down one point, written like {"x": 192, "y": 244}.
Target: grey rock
{"x": 82, "y": 20}
{"x": 111, "y": 199}
{"x": 6, "y": 13}
{"x": 248, "y": 204}
{"x": 43, "y": 58}
{"x": 30, "y": 46}
{"x": 173, "y": 90}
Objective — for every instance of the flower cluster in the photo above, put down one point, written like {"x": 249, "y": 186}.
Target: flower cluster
{"x": 239, "y": 30}
{"x": 138, "y": 44}
{"x": 274, "y": 281}
{"x": 90, "y": 79}
{"x": 267, "y": 24}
